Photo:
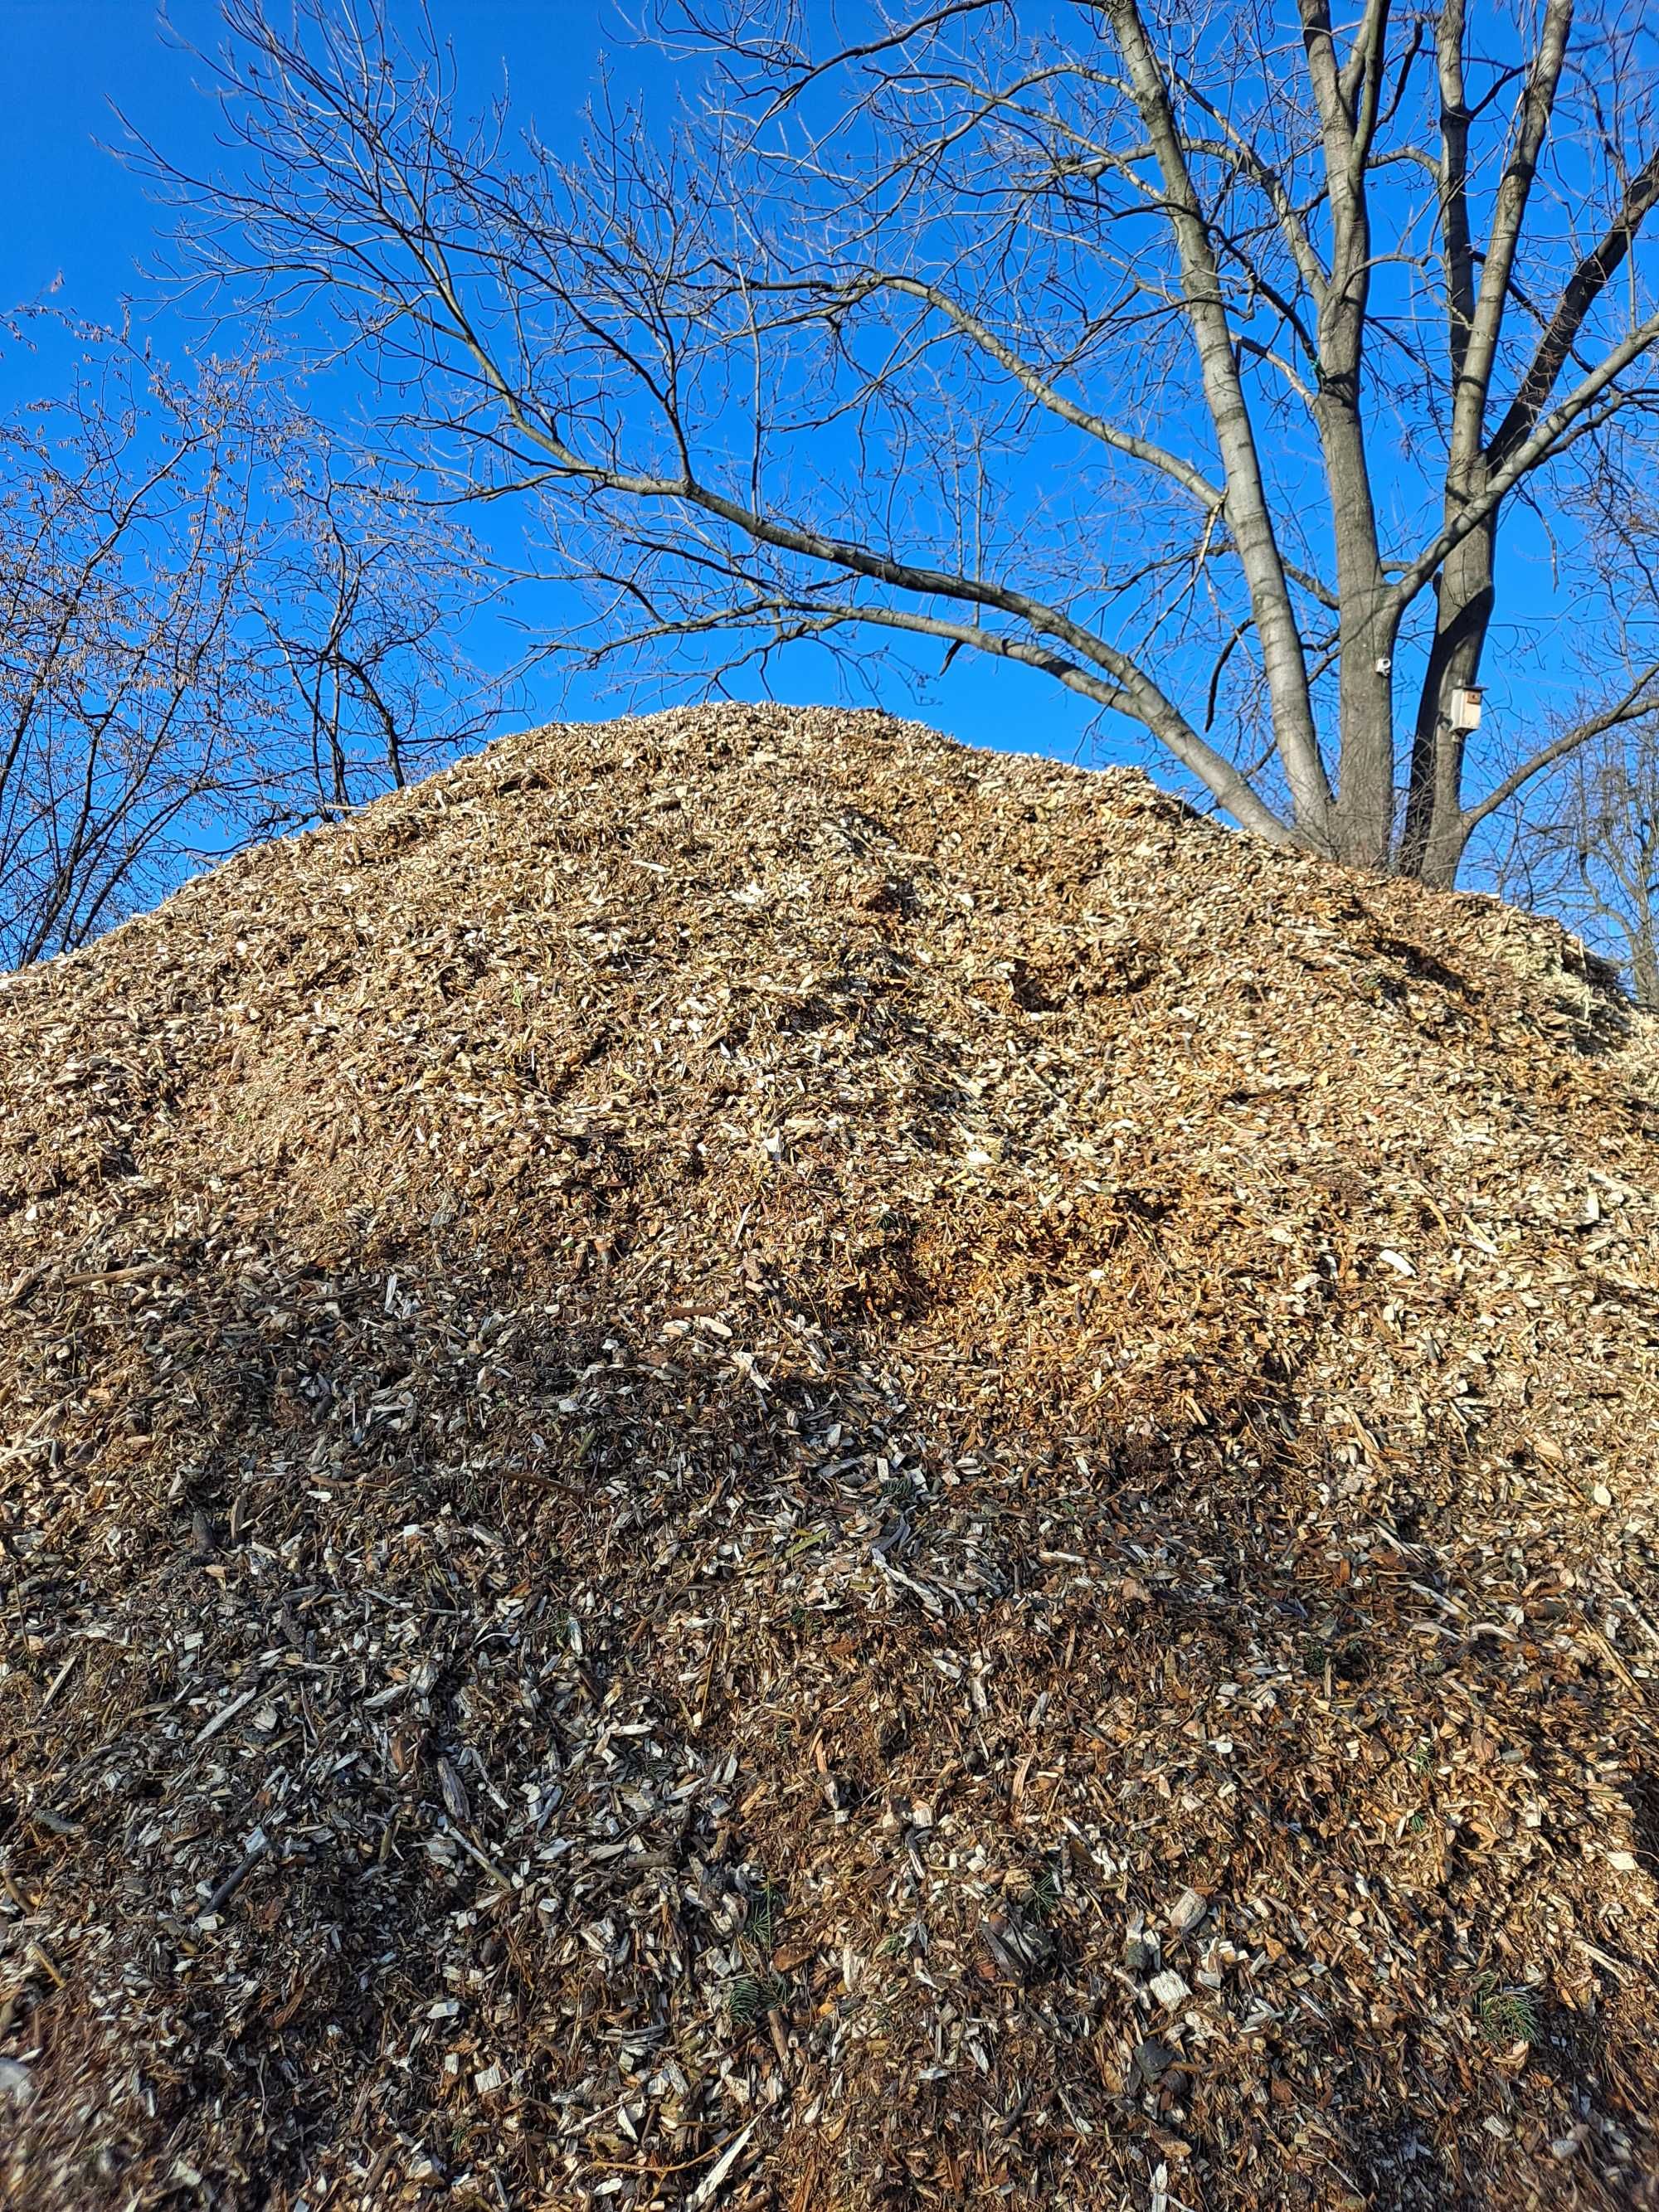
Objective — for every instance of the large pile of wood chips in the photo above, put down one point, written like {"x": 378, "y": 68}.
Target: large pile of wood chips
{"x": 749, "y": 1462}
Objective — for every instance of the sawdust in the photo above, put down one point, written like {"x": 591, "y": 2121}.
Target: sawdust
{"x": 752, "y": 1462}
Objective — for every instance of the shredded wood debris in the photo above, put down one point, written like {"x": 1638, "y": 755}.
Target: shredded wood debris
{"x": 749, "y": 1462}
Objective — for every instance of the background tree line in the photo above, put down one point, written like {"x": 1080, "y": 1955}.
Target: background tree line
{"x": 215, "y": 626}
{"x": 1281, "y": 381}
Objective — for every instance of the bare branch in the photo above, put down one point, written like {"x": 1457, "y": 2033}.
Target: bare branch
{"x": 1579, "y": 294}
{"x": 1191, "y": 480}
{"x": 1642, "y": 698}
{"x": 1546, "y": 441}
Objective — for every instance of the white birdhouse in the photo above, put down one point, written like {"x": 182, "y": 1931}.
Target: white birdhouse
{"x": 1465, "y": 708}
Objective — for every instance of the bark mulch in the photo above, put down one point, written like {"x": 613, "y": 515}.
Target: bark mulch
{"x": 748, "y": 1462}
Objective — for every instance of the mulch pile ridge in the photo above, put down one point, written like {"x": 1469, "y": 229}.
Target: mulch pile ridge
{"x": 748, "y": 1462}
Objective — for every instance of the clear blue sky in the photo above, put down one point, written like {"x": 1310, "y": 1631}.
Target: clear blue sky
{"x": 73, "y": 211}
{"x": 75, "y": 214}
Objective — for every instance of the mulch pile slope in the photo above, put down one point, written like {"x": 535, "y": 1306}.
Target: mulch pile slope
{"x": 753, "y": 1464}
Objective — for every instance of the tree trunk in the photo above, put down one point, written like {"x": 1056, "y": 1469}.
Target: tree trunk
{"x": 1249, "y": 511}
{"x": 1644, "y": 965}
{"x": 1363, "y": 818}
{"x": 1363, "y": 815}
{"x": 1435, "y": 832}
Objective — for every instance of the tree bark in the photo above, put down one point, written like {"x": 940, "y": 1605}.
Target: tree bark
{"x": 1435, "y": 832}
{"x": 1363, "y": 818}
{"x": 1249, "y": 517}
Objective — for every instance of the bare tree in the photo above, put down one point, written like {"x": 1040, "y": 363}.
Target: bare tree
{"x": 1593, "y": 857}
{"x": 124, "y": 687}
{"x": 362, "y": 597}
{"x": 1586, "y": 847}
{"x": 1196, "y": 356}
{"x": 205, "y": 635}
